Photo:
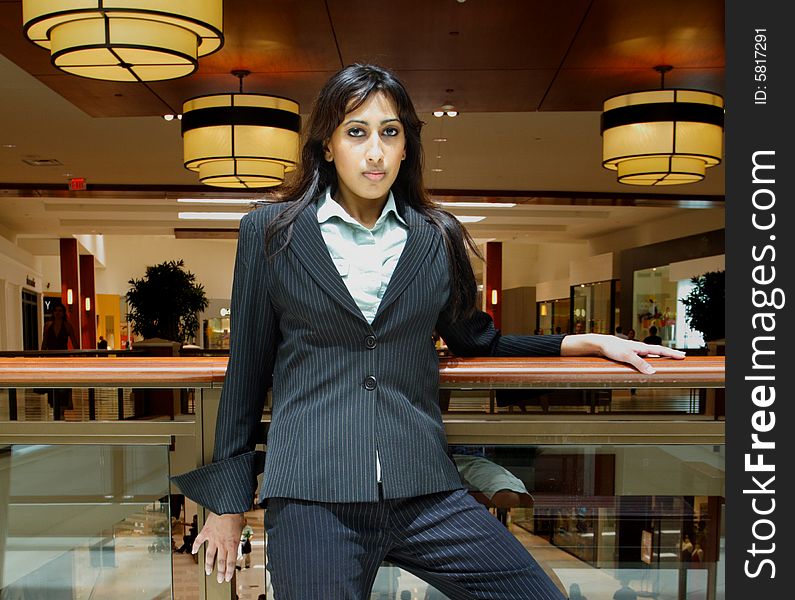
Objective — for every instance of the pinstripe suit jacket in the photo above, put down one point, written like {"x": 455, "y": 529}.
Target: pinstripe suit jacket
{"x": 342, "y": 388}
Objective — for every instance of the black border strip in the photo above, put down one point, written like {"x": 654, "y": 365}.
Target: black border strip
{"x": 662, "y": 111}
{"x": 240, "y": 115}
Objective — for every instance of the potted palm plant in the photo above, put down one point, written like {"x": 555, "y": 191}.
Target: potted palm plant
{"x": 165, "y": 302}
{"x": 163, "y": 309}
{"x": 705, "y": 305}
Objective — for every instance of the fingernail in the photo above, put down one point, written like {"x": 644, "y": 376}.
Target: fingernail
{"x": 649, "y": 370}
{"x": 220, "y": 579}
{"x": 207, "y": 571}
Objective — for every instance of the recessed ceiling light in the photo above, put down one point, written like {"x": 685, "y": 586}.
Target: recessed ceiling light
{"x": 42, "y": 162}
{"x": 211, "y": 216}
{"x": 9, "y": 145}
{"x": 440, "y": 139}
{"x": 479, "y": 204}
{"x": 468, "y": 219}
{"x": 437, "y": 170}
{"x": 216, "y": 200}
{"x": 446, "y": 109}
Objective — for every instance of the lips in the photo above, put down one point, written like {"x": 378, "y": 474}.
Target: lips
{"x": 374, "y": 175}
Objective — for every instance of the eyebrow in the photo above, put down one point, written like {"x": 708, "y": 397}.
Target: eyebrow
{"x": 390, "y": 120}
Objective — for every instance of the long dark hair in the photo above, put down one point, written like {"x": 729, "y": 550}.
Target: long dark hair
{"x": 344, "y": 92}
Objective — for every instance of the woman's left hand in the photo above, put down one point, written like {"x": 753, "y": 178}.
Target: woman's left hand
{"x": 615, "y": 348}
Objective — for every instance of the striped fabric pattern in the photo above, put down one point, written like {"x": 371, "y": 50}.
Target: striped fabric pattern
{"x": 364, "y": 258}
{"x": 446, "y": 539}
{"x": 343, "y": 389}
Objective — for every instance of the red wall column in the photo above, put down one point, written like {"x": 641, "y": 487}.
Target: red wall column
{"x": 88, "y": 319}
{"x": 494, "y": 281}
{"x": 70, "y": 281}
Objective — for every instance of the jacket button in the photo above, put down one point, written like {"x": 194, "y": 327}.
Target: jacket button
{"x": 369, "y": 342}
{"x": 369, "y": 383}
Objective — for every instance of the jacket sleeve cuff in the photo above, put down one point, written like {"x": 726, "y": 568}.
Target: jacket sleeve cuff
{"x": 226, "y": 486}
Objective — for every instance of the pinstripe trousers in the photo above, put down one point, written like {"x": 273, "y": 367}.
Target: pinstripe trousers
{"x": 332, "y": 551}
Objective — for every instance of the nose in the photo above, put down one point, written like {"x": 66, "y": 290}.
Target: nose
{"x": 374, "y": 151}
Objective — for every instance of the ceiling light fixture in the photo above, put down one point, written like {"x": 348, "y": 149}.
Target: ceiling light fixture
{"x": 478, "y": 204}
{"x": 239, "y": 140}
{"x": 216, "y": 200}
{"x": 446, "y": 109}
{"x": 125, "y": 40}
{"x": 211, "y": 216}
{"x": 662, "y": 137}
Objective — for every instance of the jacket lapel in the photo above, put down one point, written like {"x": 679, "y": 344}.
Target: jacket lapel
{"x": 310, "y": 248}
{"x": 418, "y": 243}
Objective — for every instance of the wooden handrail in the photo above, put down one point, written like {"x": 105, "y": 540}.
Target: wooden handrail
{"x": 579, "y": 373}
{"x": 476, "y": 373}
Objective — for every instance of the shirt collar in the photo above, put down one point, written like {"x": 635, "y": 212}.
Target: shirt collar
{"x": 328, "y": 208}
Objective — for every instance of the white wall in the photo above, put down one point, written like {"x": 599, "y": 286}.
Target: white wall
{"x": 519, "y": 265}
{"x": 599, "y": 267}
{"x": 51, "y": 274}
{"x": 16, "y": 267}
{"x": 212, "y": 261}
{"x": 546, "y": 265}
{"x": 679, "y": 225}
{"x": 528, "y": 265}
{"x": 687, "y": 269}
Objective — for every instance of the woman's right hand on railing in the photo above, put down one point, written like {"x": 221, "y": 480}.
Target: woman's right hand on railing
{"x": 222, "y": 534}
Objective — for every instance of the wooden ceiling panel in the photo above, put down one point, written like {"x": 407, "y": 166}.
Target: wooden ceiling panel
{"x": 627, "y": 34}
{"x": 301, "y": 87}
{"x": 512, "y": 55}
{"x": 15, "y": 45}
{"x": 106, "y": 98}
{"x": 586, "y": 89}
{"x": 275, "y": 37}
{"x": 478, "y": 91}
{"x": 416, "y": 34}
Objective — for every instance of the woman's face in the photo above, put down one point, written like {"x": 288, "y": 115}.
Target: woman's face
{"x": 58, "y": 312}
{"x": 367, "y": 149}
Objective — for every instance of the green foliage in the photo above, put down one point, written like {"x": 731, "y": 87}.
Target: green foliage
{"x": 705, "y": 305}
{"x": 165, "y": 303}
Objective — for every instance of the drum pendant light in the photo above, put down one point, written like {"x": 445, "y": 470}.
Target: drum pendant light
{"x": 239, "y": 140}
{"x": 662, "y": 137}
{"x": 125, "y": 40}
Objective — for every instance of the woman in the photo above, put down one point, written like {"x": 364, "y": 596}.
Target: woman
{"x": 337, "y": 291}
{"x": 59, "y": 331}
{"x": 57, "y": 334}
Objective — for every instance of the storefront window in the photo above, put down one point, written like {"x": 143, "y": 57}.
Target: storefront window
{"x": 553, "y": 316}
{"x": 593, "y": 307}
{"x": 216, "y": 333}
{"x": 655, "y": 304}
{"x": 561, "y": 316}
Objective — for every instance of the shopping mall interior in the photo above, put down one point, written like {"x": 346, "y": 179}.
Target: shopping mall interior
{"x": 615, "y": 481}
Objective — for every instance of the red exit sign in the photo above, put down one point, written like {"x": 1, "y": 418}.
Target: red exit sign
{"x": 77, "y": 184}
